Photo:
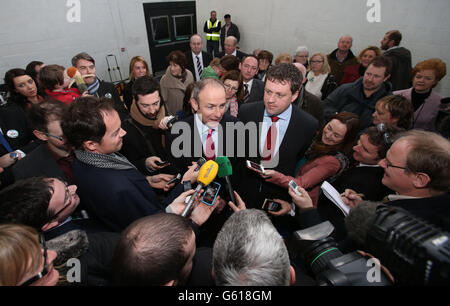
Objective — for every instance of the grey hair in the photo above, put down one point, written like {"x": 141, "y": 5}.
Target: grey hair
{"x": 234, "y": 39}
{"x": 301, "y": 49}
{"x": 249, "y": 251}
{"x": 84, "y": 56}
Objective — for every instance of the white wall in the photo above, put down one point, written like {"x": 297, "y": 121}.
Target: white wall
{"x": 39, "y": 30}
{"x": 281, "y": 26}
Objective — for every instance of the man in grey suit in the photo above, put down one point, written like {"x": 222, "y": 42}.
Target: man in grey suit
{"x": 253, "y": 88}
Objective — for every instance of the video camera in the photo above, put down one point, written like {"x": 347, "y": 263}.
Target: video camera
{"x": 415, "y": 252}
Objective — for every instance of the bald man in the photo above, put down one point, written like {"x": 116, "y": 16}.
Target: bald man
{"x": 230, "y": 48}
{"x": 306, "y": 100}
{"x": 341, "y": 57}
{"x": 196, "y": 57}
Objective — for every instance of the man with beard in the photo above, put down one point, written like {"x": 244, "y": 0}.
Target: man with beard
{"x": 54, "y": 157}
{"x": 144, "y": 142}
{"x": 401, "y": 60}
{"x": 361, "y": 96}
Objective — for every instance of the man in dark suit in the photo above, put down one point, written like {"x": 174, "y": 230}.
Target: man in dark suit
{"x": 96, "y": 87}
{"x": 253, "y": 88}
{"x": 197, "y": 59}
{"x": 229, "y": 29}
{"x": 230, "y": 48}
{"x": 54, "y": 156}
{"x": 284, "y": 133}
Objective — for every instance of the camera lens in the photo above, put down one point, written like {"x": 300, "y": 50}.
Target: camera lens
{"x": 320, "y": 253}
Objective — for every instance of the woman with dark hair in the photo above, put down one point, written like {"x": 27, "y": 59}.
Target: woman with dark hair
{"x": 426, "y": 102}
{"x": 174, "y": 81}
{"x": 326, "y": 158}
{"x": 33, "y": 69}
{"x": 22, "y": 88}
{"x": 234, "y": 91}
{"x": 138, "y": 68}
{"x": 265, "y": 61}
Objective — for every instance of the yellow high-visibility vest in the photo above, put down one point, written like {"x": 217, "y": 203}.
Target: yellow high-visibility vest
{"x": 214, "y": 36}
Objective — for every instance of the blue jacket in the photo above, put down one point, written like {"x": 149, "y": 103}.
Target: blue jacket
{"x": 118, "y": 197}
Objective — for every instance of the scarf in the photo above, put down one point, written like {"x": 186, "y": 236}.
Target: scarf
{"x": 94, "y": 87}
{"x": 138, "y": 116}
{"x": 106, "y": 161}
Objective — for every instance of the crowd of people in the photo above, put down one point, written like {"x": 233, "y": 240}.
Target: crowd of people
{"x": 105, "y": 178}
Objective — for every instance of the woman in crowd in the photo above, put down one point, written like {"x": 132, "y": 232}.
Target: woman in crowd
{"x": 22, "y": 88}
{"x": 214, "y": 70}
{"x": 187, "y": 101}
{"x": 301, "y": 56}
{"x": 327, "y": 157}
{"x": 174, "y": 81}
{"x": 393, "y": 110}
{"x": 320, "y": 82}
{"x": 354, "y": 72}
{"x": 425, "y": 76}
{"x": 234, "y": 90}
{"x": 265, "y": 61}
{"x": 284, "y": 58}
{"x": 24, "y": 258}
{"x": 138, "y": 68}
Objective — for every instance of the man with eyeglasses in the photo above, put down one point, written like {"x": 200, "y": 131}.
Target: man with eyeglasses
{"x": 253, "y": 88}
{"x": 416, "y": 168}
{"x": 361, "y": 96}
{"x": 54, "y": 156}
{"x": 47, "y": 205}
{"x": 230, "y": 48}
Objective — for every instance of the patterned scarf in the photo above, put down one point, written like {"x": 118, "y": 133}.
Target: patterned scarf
{"x": 94, "y": 87}
{"x": 106, "y": 161}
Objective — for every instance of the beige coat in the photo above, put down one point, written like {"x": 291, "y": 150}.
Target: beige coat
{"x": 172, "y": 90}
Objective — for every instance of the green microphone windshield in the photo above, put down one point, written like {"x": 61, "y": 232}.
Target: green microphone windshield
{"x": 225, "y": 168}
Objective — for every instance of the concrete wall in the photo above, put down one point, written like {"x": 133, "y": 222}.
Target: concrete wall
{"x": 39, "y": 30}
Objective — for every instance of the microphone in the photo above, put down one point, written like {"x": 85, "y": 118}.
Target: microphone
{"x": 206, "y": 175}
{"x": 200, "y": 163}
{"x": 226, "y": 170}
{"x": 73, "y": 72}
{"x": 360, "y": 219}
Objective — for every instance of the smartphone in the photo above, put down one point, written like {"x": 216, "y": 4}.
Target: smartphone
{"x": 162, "y": 163}
{"x": 271, "y": 205}
{"x": 176, "y": 178}
{"x": 294, "y": 186}
{"x": 255, "y": 167}
{"x": 210, "y": 194}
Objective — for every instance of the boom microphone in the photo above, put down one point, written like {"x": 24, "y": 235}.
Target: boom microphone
{"x": 226, "y": 170}
{"x": 360, "y": 219}
{"x": 73, "y": 72}
{"x": 206, "y": 175}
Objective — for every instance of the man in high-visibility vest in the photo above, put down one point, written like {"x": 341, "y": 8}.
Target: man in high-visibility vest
{"x": 212, "y": 29}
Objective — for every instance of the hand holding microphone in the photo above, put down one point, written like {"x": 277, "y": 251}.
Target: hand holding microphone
{"x": 206, "y": 175}
{"x": 73, "y": 72}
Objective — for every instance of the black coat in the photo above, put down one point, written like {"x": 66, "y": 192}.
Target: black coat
{"x": 232, "y": 31}
{"x": 107, "y": 89}
{"x": 240, "y": 55}
{"x": 256, "y": 92}
{"x": 191, "y": 66}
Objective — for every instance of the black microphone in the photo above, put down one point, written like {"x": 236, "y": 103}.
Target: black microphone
{"x": 360, "y": 219}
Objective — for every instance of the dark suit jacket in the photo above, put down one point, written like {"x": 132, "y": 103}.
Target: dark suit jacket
{"x": 256, "y": 92}
{"x": 297, "y": 139}
{"x": 239, "y": 54}
{"x": 191, "y": 66}
{"x": 39, "y": 162}
{"x": 107, "y": 89}
{"x": 232, "y": 31}
{"x": 310, "y": 104}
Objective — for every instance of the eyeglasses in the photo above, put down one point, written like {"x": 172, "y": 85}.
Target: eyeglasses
{"x": 54, "y": 136}
{"x": 68, "y": 197}
{"x": 389, "y": 164}
{"x": 230, "y": 87}
{"x": 381, "y": 127}
{"x": 44, "y": 270}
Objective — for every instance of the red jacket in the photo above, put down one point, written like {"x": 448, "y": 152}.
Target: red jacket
{"x": 351, "y": 74}
{"x": 66, "y": 96}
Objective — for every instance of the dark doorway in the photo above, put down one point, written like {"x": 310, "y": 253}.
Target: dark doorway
{"x": 169, "y": 27}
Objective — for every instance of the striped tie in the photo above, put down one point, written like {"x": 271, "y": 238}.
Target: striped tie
{"x": 199, "y": 67}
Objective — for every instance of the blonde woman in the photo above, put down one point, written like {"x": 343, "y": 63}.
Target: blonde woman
{"x": 138, "y": 68}
{"x": 320, "y": 81}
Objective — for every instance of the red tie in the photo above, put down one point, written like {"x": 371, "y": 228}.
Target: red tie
{"x": 210, "y": 151}
{"x": 271, "y": 138}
